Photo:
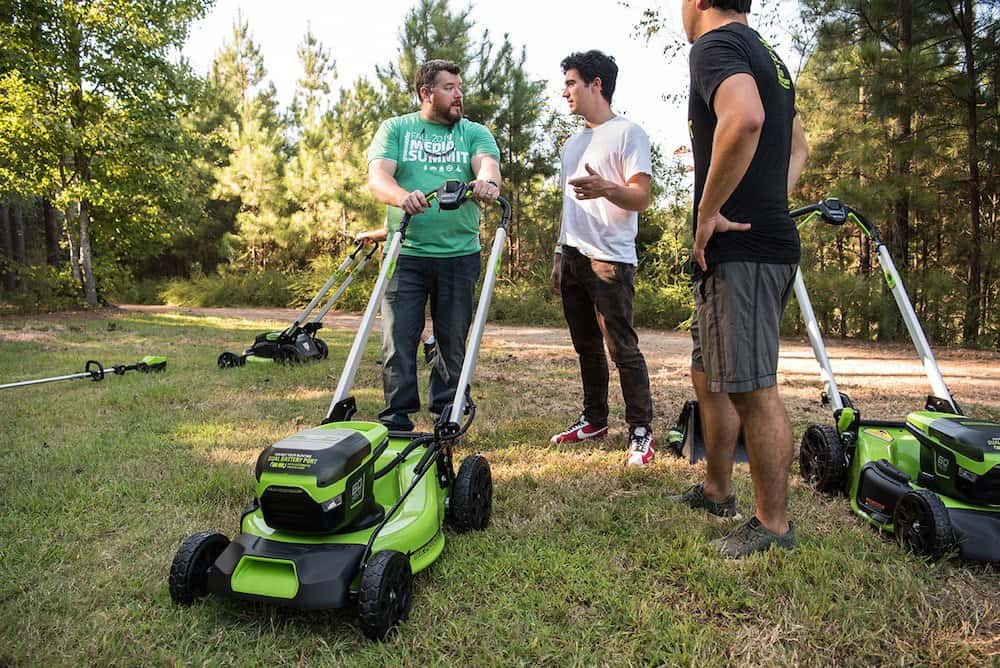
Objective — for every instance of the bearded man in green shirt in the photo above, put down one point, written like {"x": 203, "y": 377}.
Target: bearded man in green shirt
{"x": 409, "y": 156}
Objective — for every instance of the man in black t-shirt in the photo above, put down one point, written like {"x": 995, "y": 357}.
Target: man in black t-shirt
{"x": 749, "y": 150}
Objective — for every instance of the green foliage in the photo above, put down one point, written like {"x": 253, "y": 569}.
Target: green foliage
{"x": 662, "y": 306}
{"x": 526, "y": 302}
{"x": 264, "y": 288}
{"x": 46, "y": 288}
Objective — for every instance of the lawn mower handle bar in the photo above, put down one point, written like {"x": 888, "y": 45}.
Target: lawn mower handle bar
{"x": 835, "y": 212}
{"x": 451, "y": 195}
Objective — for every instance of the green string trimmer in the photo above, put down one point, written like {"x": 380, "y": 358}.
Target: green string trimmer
{"x": 96, "y": 371}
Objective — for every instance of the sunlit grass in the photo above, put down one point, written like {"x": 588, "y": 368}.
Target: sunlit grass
{"x": 583, "y": 564}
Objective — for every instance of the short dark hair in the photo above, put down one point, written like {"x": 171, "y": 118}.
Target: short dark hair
{"x": 427, "y": 74}
{"x": 592, "y": 64}
{"x": 741, "y": 6}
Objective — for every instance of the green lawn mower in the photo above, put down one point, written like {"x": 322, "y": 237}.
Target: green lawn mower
{"x": 298, "y": 342}
{"x": 932, "y": 479}
{"x": 347, "y": 511}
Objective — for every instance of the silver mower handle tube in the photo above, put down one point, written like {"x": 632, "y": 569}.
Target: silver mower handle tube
{"x": 816, "y": 341}
{"x": 343, "y": 287}
{"x": 482, "y": 311}
{"x": 322, "y": 292}
{"x": 930, "y": 365}
{"x": 368, "y": 320}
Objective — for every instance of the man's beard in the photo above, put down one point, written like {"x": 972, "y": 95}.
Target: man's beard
{"x": 449, "y": 113}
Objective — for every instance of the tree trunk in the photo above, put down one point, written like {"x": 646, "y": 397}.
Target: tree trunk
{"x": 970, "y": 328}
{"x": 89, "y": 288}
{"x": 17, "y": 224}
{"x": 7, "y": 246}
{"x": 74, "y": 247}
{"x": 52, "y": 233}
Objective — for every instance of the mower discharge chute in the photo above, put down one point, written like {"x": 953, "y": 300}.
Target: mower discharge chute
{"x": 933, "y": 479}
{"x": 347, "y": 510}
{"x": 298, "y": 342}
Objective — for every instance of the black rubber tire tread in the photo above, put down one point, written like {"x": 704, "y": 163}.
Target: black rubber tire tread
{"x": 288, "y": 354}
{"x": 385, "y": 595}
{"x": 228, "y": 360}
{"x": 471, "y": 503}
{"x": 324, "y": 350}
{"x": 821, "y": 459}
{"x": 187, "y": 572}
{"x": 922, "y": 524}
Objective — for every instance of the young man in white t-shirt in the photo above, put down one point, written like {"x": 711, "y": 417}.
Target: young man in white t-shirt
{"x": 605, "y": 174}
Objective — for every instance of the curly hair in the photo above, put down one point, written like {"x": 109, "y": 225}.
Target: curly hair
{"x": 427, "y": 74}
{"x": 592, "y": 64}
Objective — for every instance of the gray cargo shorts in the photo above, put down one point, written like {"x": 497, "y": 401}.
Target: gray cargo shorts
{"x": 737, "y": 315}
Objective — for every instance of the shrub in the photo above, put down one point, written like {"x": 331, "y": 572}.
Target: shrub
{"x": 265, "y": 288}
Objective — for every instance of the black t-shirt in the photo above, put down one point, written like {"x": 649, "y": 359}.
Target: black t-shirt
{"x": 761, "y": 198}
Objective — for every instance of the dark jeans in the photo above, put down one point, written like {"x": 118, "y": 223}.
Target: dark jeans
{"x": 597, "y": 302}
{"x": 450, "y": 283}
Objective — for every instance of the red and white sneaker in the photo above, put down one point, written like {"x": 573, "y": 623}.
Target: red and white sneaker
{"x": 581, "y": 430}
{"x": 640, "y": 447}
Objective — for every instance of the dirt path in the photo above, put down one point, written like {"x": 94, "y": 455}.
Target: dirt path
{"x": 885, "y": 374}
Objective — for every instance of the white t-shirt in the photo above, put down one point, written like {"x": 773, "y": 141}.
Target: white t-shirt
{"x": 618, "y": 149}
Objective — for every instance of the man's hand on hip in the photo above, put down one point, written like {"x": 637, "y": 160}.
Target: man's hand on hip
{"x": 707, "y": 226}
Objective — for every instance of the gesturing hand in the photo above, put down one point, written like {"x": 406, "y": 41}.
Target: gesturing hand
{"x": 709, "y": 225}
{"x": 591, "y": 186}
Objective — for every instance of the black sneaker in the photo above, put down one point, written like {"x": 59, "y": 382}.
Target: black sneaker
{"x": 694, "y": 497}
{"x": 430, "y": 350}
{"x": 752, "y": 537}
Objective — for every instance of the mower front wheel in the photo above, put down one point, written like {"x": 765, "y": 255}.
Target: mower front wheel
{"x": 188, "y": 572}
{"x": 471, "y": 502}
{"x": 229, "y": 360}
{"x": 821, "y": 459}
{"x": 922, "y": 524}
{"x": 385, "y": 595}
{"x": 322, "y": 348}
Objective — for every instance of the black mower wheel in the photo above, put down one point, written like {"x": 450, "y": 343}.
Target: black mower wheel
{"x": 821, "y": 459}
{"x": 322, "y": 348}
{"x": 385, "y": 595}
{"x": 288, "y": 354}
{"x": 922, "y": 524}
{"x": 229, "y": 360}
{"x": 471, "y": 502}
{"x": 188, "y": 580}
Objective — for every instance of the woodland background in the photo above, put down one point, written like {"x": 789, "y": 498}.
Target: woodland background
{"x": 125, "y": 176}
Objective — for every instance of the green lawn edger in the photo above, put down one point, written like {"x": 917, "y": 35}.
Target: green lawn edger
{"x": 347, "y": 510}
{"x": 96, "y": 371}
{"x": 933, "y": 479}
{"x": 298, "y": 342}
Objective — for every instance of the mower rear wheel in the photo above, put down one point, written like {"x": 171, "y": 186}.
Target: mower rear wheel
{"x": 189, "y": 569}
{"x": 386, "y": 593}
{"x": 288, "y": 354}
{"x": 922, "y": 524}
{"x": 471, "y": 502}
{"x": 322, "y": 348}
{"x": 821, "y": 459}
{"x": 229, "y": 360}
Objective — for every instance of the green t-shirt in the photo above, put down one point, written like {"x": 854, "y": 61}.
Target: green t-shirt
{"x": 426, "y": 155}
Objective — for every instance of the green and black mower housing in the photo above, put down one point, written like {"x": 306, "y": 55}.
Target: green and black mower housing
{"x": 319, "y": 481}
{"x": 959, "y": 456}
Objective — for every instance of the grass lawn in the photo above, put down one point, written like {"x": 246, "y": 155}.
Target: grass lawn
{"x": 583, "y": 564}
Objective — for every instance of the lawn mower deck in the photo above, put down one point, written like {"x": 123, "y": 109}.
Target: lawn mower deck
{"x": 348, "y": 509}
{"x": 934, "y": 479}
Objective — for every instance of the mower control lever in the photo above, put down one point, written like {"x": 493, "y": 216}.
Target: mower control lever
{"x": 833, "y": 211}
{"x": 452, "y": 195}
